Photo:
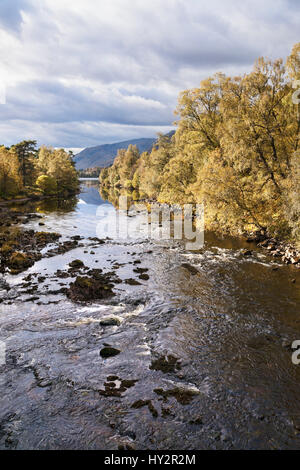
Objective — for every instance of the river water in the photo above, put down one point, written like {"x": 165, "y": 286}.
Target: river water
{"x": 205, "y": 357}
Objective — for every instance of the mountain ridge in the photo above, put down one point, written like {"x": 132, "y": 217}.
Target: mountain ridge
{"x": 104, "y": 155}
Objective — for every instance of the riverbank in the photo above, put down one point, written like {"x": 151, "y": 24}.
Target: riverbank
{"x": 22, "y": 200}
{"x": 11, "y": 242}
{"x": 34, "y": 197}
{"x": 276, "y": 248}
{"x": 284, "y": 250}
{"x": 22, "y": 248}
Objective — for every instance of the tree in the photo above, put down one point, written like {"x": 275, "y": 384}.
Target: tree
{"x": 292, "y": 198}
{"x": 26, "y": 152}
{"x": 47, "y": 184}
{"x": 236, "y": 148}
{"x": 10, "y": 181}
{"x": 59, "y": 166}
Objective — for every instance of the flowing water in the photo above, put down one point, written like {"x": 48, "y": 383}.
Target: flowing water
{"x": 205, "y": 356}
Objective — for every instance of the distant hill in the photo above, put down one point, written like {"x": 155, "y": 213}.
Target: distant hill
{"x": 104, "y": 155}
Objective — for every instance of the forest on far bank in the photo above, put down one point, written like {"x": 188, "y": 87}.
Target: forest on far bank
{"x": 28, "y": 171}
{"x": 236, "y": 149}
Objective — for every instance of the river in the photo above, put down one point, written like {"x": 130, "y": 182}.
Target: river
{"x": 205, "y": 357}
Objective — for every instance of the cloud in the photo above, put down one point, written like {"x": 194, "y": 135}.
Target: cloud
{"x": 10, "y": 13}
{"x": 116, "y": 66}
{"x": 71, "y": 134}
{"x": 51, "y": 101}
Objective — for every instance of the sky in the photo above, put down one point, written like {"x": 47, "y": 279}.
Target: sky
{"x": 80, "y": 73}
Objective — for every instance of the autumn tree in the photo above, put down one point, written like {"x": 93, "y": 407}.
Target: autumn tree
{"x": 58, "y": 166}
{"x": 236, "y": 148}
{"x": 10, "y": 180}
{"x": 27, "y": 153}
{"x": 47, "y": 184}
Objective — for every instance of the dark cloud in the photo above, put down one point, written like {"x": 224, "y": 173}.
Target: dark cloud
{"x": 53, "y": 102}
{"x": 86, "y": 73}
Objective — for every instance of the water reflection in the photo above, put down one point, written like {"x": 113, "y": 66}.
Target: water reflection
{"x": 113, "y": 195}
{"x": 77, "y": 215}
{"x": 57, "y": 205}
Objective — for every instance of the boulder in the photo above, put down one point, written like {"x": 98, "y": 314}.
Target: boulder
{"x": 19, "y": 262}
{"x": 76, "y": 264}
{"x": 86, "y": 289}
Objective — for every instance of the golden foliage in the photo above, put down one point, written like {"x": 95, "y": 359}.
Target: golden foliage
{"x": 10, "y": 179}
{"x": 236, "y": 148}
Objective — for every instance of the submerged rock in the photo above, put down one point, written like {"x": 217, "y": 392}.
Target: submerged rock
{"x": 166, "y": 364}
{"x": 183, "y": 396}
{"x": 197, "y": 421}
{"x": 132, "y": 282}
{"x": 190, "y": 268}
{"x": 141, "y": 270}
{"x": 109, "y": 352}
{"x": 4, "y": 285}
{"x": 287, "y": 344}
{"x": 141, "y": 403}
{"x": 110, "y": 322}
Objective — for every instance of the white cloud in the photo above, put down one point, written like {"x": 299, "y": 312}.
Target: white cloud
{"x": 74, "y": 68}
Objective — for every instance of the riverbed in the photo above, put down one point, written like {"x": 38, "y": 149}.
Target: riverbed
{"x": 204, "y": 344}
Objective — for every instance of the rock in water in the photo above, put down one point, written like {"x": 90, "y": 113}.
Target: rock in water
{"x": 19, "y": 262}
{"x": 87, "y": 288}
{"x": 247, "y": 253}
{"x": 110, "y": 322}
{"x": 109, "y": 352}
{"x": 77, "y": 263}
